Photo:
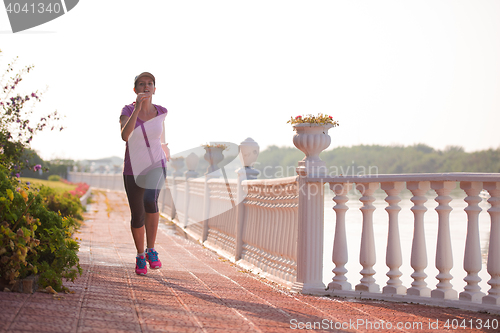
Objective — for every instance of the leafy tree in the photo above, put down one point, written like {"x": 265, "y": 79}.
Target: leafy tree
{"x": 53, "y": 167}
{"x": 35, "y": 228}
{"x": 368, "y": 159}
{"x": 16, "y": 130}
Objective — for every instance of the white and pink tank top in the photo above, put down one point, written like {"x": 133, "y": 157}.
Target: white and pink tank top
{"x": 143, "y": 149}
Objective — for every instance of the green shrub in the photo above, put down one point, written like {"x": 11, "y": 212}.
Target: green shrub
{"x": 34, "y": 239}
{"x": 54, "y": 178}
{"x": 65, "y": 203}
{"x": 57, "y": 251}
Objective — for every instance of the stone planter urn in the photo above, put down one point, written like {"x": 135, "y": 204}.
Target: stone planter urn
{"x": 191, "y": 163}
{"x": 312, "y": 139}
{"x": 213, "y": 156}
{"x": 249, "y": 151}
{"x": 177, "y": 163}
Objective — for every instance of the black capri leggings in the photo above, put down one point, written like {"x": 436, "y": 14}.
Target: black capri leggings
{"x": 142, "y": 194}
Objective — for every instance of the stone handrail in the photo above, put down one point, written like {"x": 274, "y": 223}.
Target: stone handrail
{"x": 276, "y": 227}
{"x": 313, "y": 174}
{"x": 252, "y": 222}
{"x": 110, "y": 181}
{"x": 450, "y": 176}
{"x": 419, "y": 184}
{"x": 269, "y": 228}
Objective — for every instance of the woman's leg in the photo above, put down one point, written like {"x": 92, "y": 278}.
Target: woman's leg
{"x": 151, "y": 229}
{"x": 135, "y": 195}
{"x": 155, "y": 181}
{"x": 138, "y": 235}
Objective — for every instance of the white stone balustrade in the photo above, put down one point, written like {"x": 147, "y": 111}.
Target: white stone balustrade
{"x": 275, "y": 227}
{"x": 443, "y": 294}
{"x": 259, "y": 232}
{"x": 270, "y": 236}
{"x": 111, "y": 181}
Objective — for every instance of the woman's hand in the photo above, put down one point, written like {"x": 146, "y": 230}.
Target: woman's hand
{"x": 165, "y": 148}
{"x": 142, "y": 97}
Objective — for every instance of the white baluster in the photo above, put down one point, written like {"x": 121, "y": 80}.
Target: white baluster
{"x": 253, "y": 227}
{"x": 310, "y": 238}
{"x": 472, "y": 257}
{"x": 393, "y": 257}
{"x": 493, "y": 265}
{"x": 174, "y": 197}
{"x": 418, "y": 247}
{"x": 279, "y": 238}
{"x": 339, "y": 254}
{"x": 287, "y": 230}
{"x": 264, "y": 233}
{"x": 241, "y": 194}
{"x": 269, "y": 237}
{"x": 187, "y": 196}
{"x": 278, "y": 241}
{"x": 287, "y": 234}
{"x": 295, "y": 235}
{"x": 367, "y": 257}
{"x": 286, "y": 226}
{"x": 444, "y": 254}
{"x": 290, "y": 240}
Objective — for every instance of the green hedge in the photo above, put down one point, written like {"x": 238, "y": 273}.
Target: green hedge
{"x": 35, "y": 234}
{"x": 54, "y": 178}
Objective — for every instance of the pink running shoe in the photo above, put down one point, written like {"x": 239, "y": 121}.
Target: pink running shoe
{"x": 140, "y": 265}
{"x": 152, "y": 258}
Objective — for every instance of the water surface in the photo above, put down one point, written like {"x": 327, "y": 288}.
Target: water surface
{"x": 458, "y": 227}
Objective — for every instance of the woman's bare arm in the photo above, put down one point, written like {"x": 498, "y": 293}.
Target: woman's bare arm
{"x": 163, "y": 144}
{"x": 123, "y": 122}
{"x": 162, "y": 138}
{"x": 128, "y": 123}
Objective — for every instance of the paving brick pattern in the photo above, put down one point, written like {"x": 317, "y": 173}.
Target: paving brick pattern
{"x": 195, "y": 291}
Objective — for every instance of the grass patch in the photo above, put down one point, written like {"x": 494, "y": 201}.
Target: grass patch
{"x": 58, "y": 186}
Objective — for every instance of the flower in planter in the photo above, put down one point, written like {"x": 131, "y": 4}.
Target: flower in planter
{"x": 321, "y": 119}
{"x": 217, "y": 145}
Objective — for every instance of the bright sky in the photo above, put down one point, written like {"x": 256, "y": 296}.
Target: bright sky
{"x": 391, "y": 72}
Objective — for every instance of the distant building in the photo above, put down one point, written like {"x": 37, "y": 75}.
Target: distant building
{"x": 104, "y": 165}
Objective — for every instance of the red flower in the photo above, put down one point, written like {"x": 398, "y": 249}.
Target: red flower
{"x": 330, "y": 117}
{"x": 298, "y": 117}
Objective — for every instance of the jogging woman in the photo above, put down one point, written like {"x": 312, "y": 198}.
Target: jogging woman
{"x": 144, "y": 172}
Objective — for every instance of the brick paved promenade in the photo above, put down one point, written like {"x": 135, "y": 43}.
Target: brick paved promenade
{"x": 195, "y": 291}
